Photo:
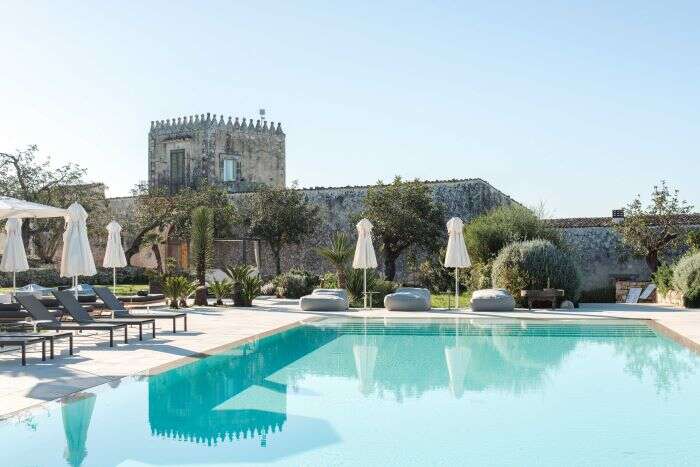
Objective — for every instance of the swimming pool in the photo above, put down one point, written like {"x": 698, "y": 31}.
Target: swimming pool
{"x": 399, "y": 392}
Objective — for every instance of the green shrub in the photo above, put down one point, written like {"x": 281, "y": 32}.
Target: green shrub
{"x": 329, "y": 280}
{"x": 535, "y": 264}
{"x": 432, "y": 275}
{"x": 486, "y": 235}
{"x": 295, "y": 283}
{"x": 374, "y": 284}
{"x": 693, "y": 240}
{"x": 663, "y": 278}
{"x": 686, "y": 279}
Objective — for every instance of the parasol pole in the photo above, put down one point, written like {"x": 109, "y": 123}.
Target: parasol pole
{"x": 365, "y": 287}
{"x": 456, "y": 288}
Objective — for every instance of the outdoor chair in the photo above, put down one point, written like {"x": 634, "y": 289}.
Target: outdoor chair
{"x": 408, "y": 299}
{"x": 325, "y": 300}
{"x": 43, "y": 319}
{"x": 120, "y": 310}
{"x": 79, "y": 314}
{"x": 492, "y": 300}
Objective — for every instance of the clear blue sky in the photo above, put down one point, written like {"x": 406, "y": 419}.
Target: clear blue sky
{"x": 580, "y": 105}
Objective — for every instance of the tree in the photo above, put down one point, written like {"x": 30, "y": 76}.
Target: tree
{"x": 202, "y": 231}
{"x": 652, "y": 230}
{"x": 403, "y": 215}
{"x": 156, "y": 215}
{"x": 280, "y": 217}
{"x": 339, "y": 253}
{"x": 27, "y": 176}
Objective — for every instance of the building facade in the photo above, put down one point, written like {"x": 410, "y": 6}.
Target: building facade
{"x": 203, "y": 149}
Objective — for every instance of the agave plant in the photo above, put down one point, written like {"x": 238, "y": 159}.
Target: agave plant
{"x": 250, "y": 288}
{"x": 174, "y": 287}
{"x": 221, "y": 289}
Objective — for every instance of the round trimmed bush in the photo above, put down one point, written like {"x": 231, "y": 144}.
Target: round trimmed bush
{"x": 535, "y": 264}
{"x": 686, "y": 279}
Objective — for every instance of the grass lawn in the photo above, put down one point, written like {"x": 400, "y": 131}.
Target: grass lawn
{"x": 445, "y": 300}
{"x": 122, "y": 289}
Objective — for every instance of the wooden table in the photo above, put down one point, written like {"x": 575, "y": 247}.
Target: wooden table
{"x": 544, "y": 294}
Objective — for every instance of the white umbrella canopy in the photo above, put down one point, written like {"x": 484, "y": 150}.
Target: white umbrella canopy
{"x": 364, "y": 251}
{"x": 14, "y": 258}
{"x": 114, "y": 252}
{"x": 13, "y": 207}
{"x": 456, "y": 256}
{"x": 76, "y": 258}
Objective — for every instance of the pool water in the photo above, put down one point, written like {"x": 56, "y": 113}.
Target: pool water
{"x": 372, "y": 392}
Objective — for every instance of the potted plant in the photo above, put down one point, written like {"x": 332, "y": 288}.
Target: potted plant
{"x": 221, "y": 289}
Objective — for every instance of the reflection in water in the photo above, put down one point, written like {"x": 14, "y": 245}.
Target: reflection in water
{"x": 228, "y": 396}
{"x": 76, "y": 412}
{"x": 243, "y": 393}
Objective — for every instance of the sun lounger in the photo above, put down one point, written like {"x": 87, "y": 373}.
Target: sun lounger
{"x": 22, "y": 343}
{"x": 120, "y": 310}
{"x": 43, "y": 319}
{"x": 79, "y": 314}
{"x": 51, "y": 337}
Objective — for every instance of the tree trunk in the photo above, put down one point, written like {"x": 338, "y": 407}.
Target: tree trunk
{"x": 652, "y": 259}
{"x": 342, "y": 278}
{"x": 278, "y": 262}
{"x": 389, "y": 266}
{"x": 200, "y": 296}
{"x": 156, "y": 253}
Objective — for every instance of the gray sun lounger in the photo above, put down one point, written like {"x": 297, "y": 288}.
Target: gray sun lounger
{"x": 22, "y": 343}
{"x": 51, "y": 337}
{"x": 120, "y": 310}
{"x": 43, "y": 319}
{"x": 79, "y": 314}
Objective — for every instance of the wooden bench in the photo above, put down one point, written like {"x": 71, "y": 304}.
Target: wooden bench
{"x": 542, "y": 295}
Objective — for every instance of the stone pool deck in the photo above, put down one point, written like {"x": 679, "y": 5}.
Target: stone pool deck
{"x": 212, "y": 330}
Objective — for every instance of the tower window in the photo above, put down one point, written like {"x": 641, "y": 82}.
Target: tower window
{"x": 177, "y": 169}
{"x": 229, "y": 174}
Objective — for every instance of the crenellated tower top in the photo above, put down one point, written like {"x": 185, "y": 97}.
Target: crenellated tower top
{"x": 209, "y": 120}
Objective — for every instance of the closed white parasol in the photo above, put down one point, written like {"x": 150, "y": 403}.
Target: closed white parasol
{"x": 364, "y": 251}
{"x": 14, "y": 258}
{"x": 456, "y": 256}
{"x": 77, "y": 259}
{"x": 114, "y": 252}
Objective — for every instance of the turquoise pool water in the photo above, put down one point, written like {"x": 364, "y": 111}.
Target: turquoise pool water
{"x": 370, "y": 392}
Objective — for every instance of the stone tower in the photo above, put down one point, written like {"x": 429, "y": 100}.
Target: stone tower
{"x": 197, "y": 150}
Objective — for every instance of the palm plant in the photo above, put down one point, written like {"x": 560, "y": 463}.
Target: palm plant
{"x": 174, "y": 287}
{"x": 339, "y": 253}
{"x": 237, "y": 274}
{"x": 221, "y": 289}
{"x": 202, "y": 248}
{"x": 188, "y": 290}
{"x": 250, "y": 288}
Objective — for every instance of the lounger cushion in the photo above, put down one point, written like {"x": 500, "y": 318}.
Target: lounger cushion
{"x": 325, "y": 300}
{"x": 408, "y": 299}
{"x": 492, "y": 300}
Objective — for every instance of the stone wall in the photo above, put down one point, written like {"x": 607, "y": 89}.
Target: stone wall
{"x": 462, "y": 198}
{"x": 601, "y": 256}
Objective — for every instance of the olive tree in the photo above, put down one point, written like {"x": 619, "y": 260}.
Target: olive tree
{"x": 404, "y": 215}
{"x": 652, "y": 230}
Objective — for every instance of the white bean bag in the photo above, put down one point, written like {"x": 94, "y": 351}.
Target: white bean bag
{"x": 325, "y": 300}
{"x": 408, "y": 299}
{"x": 492, "y": 300}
